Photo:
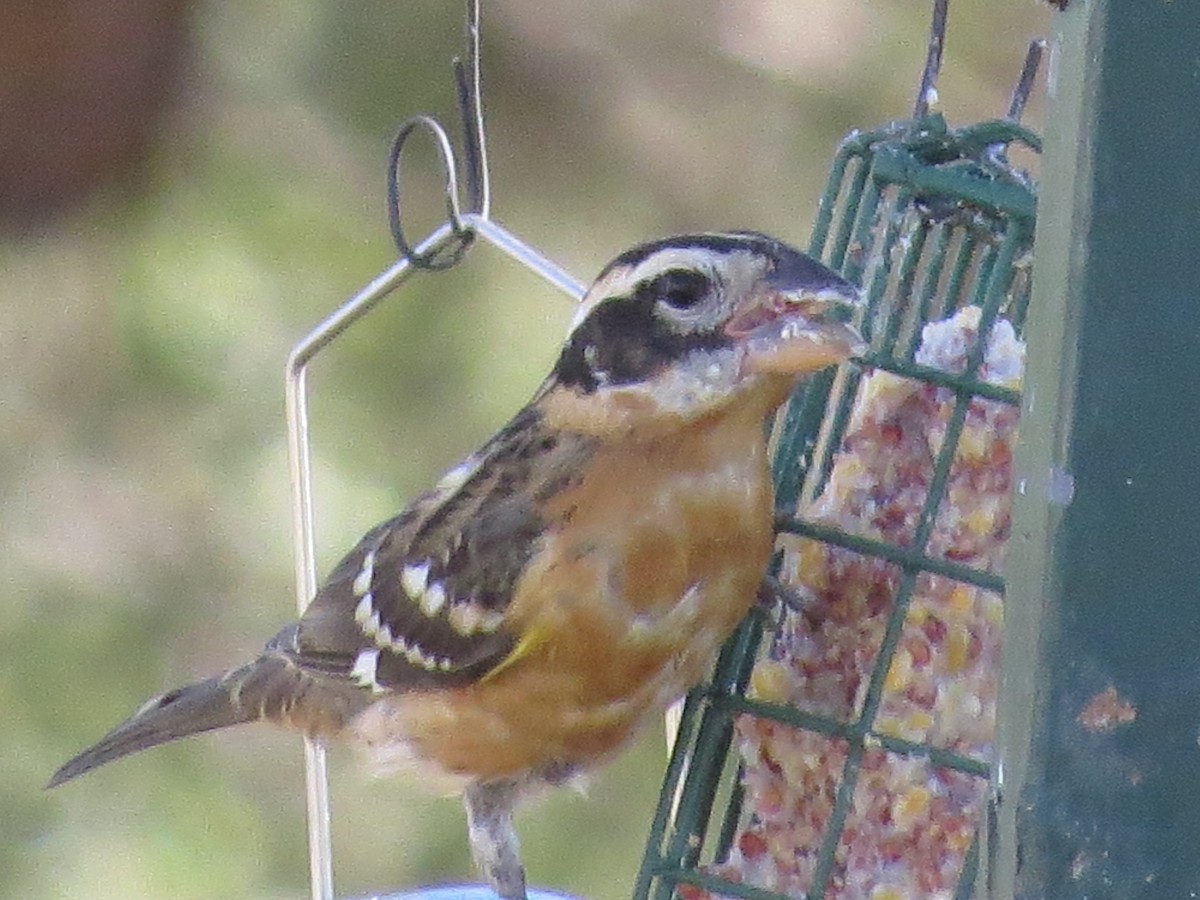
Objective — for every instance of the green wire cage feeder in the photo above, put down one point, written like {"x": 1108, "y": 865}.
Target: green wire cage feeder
{"x": 882, "y": 749}
{"x": 861, "y": 730}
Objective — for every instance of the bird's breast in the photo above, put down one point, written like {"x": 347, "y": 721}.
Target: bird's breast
{"x": 653, "y": 557}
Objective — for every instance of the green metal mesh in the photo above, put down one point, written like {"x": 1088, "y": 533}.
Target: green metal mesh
{"x": 927, "y": 219}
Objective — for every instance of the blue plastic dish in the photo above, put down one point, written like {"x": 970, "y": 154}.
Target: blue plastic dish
{"x": 463, "y": 892}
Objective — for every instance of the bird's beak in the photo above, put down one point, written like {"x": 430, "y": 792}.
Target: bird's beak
{"x": 797, "y": 330}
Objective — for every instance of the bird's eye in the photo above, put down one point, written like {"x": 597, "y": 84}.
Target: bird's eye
{"x": 680, "y": 288}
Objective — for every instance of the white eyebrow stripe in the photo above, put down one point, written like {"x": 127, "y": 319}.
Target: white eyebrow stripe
{"x": 622, "y": 281}
{"x": 697, "y": 258}
{"x": 736, "y": 267}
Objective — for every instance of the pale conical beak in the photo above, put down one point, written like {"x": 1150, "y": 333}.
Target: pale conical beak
{"x": 798, "y": 331}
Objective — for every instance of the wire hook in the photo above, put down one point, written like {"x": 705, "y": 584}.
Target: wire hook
{"x": 468, "y": 85}
{"x": 927, "y": 92}
{"x": 470, "y": 105}
{"x": 1024, "y": 85}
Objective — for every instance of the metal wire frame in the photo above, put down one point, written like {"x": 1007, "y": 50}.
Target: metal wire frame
{"x": 927, "y": 220}
{"x": 443, "y": 248}
{"x": 445, "y": 237}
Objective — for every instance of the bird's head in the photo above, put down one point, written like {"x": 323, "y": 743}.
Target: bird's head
{"x": 685, "y": 326}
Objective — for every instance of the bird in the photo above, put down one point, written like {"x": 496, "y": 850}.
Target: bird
{"x": 515, "y": 626}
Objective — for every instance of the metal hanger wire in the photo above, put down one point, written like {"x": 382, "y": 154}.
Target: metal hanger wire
{"x": 442, "y": 248}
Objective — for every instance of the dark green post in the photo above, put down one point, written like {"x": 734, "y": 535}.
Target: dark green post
{"x": 1098, "y": 770}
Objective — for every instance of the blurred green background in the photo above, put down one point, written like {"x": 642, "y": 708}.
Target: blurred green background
{"x": 185, "y": 189}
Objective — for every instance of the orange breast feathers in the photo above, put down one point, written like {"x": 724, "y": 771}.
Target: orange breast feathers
{"x": 654, "y": 557}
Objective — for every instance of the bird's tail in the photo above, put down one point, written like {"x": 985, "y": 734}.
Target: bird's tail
{"x": 271, "y": 687}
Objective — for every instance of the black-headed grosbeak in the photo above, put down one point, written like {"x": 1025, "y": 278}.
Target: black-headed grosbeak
{"x": 579, "y": 572}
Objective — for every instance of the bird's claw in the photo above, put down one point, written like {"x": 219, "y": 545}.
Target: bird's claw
{"x": 776, "y": 599}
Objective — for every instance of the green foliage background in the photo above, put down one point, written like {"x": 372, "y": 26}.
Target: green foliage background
{"x": 143, "y": 477}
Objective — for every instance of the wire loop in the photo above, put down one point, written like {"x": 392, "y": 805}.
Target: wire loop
{"x": 449, "y": 254}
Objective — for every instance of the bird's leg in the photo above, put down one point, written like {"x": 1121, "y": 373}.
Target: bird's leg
{"x": 494, "y": 844}
{"x": 776, "y": 598}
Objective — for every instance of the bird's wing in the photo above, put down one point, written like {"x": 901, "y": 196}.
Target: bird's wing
{"x": 420, "y": 601}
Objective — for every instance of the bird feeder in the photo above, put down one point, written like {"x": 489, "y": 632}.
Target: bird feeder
{"x": 882, "y": 743}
